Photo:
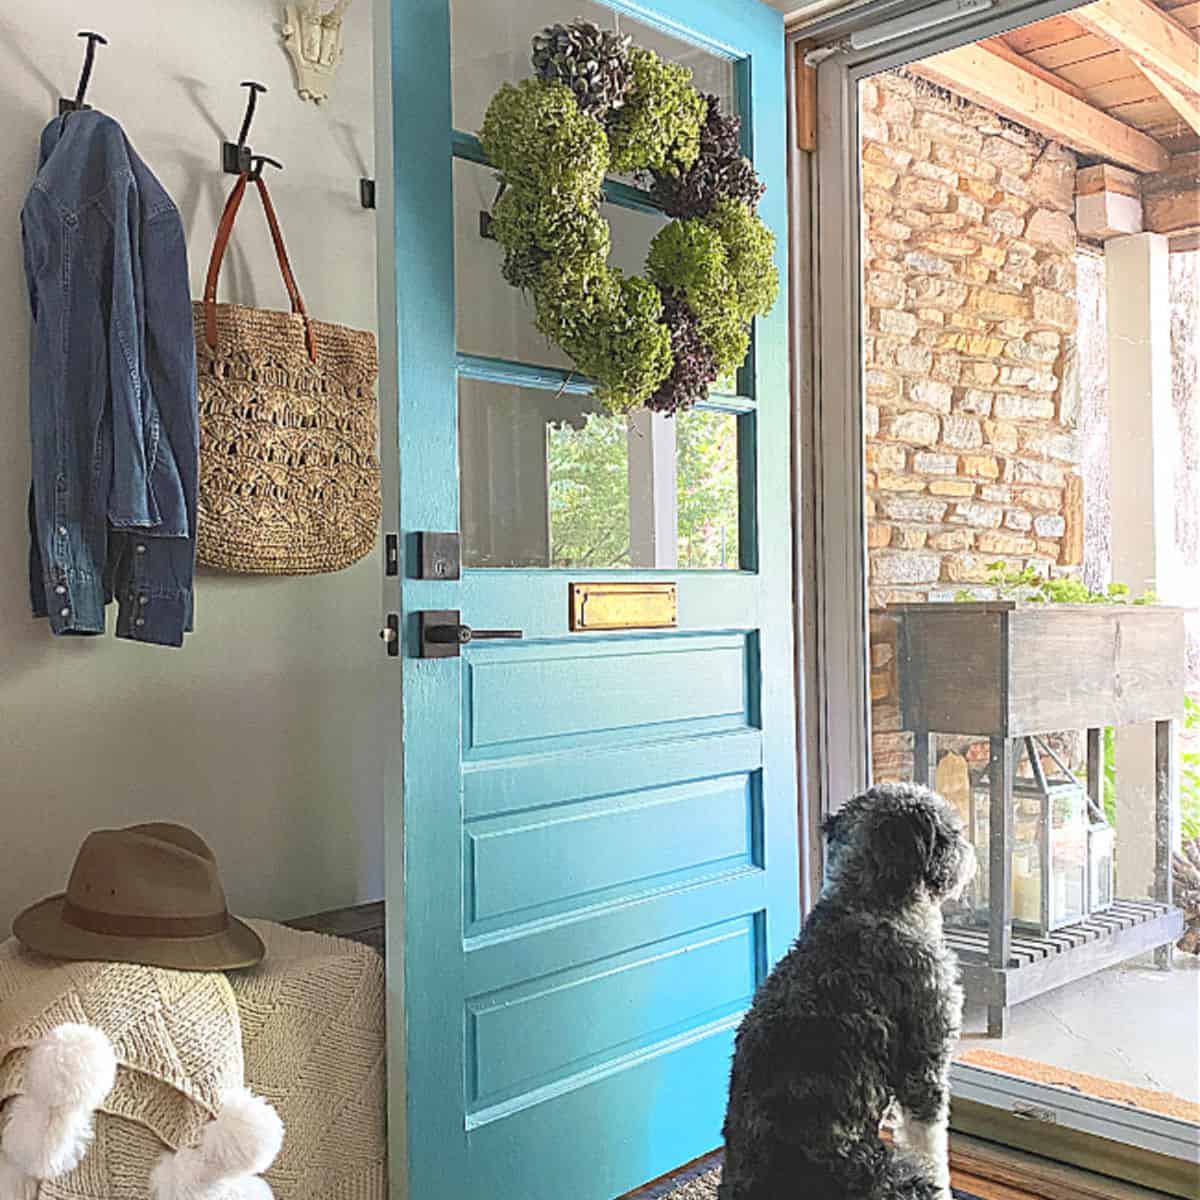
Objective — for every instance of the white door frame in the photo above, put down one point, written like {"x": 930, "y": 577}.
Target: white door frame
{"x": 828, "y": 378}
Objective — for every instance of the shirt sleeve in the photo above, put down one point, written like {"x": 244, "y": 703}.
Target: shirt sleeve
{"x": 137, "y": 442}
{"x": 153, "y": 587}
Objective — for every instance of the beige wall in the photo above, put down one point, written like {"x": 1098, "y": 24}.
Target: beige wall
{"x": 263, "y": 732}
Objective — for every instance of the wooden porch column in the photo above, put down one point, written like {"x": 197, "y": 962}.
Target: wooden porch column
{"x": 1143, "y": 456}
{"x": 653, "y": 505}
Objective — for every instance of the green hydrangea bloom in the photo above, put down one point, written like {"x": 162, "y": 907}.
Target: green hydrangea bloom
{"x": 536, "y": 137}
{"x": 609, "y": 325}
{"x": 749, "y": 253}
{"x": 534, "y": 226}
{"x": 659, "y": 126}
{"x": 688, "y": 258}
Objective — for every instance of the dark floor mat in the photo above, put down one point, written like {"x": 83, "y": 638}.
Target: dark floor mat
{"x": 699, "y": 1182}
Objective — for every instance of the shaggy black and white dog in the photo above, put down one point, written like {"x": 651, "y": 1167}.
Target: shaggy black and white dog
{"x": 857, "y": 1019}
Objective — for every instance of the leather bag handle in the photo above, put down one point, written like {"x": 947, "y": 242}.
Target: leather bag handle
{"x": 224, "y": 229}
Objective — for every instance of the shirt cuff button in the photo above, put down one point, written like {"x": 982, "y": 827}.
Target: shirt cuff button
{"x": 64, "y": 613}
{"x": 140, "y": 622}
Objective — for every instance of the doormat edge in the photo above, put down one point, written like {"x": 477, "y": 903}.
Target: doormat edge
{"x": 669, "y": 1185}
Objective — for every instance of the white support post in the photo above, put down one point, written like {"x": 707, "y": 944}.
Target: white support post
{"x": 653, "y": 500}
{"x": 1143, "y": 466}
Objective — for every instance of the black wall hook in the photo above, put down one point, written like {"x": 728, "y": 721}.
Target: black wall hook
{"x": 236, "y": 156}
{"x": 89, "y": 57}
{"x": 257, "y": 162}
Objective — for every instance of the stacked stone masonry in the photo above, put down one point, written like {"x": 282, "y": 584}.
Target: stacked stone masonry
{"x": 969, "y": 358}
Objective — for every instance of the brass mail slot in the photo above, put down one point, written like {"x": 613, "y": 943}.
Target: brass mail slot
{"x": 623, "y": 606}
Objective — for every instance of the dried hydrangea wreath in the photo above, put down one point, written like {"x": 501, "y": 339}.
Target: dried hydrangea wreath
{"x": 600, "y": 104}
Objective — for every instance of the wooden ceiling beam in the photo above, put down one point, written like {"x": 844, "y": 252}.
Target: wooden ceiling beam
{"x": 1151, "y": 37}
{"x": 1171, "y": 199}
{"x": 1005, "y": 87}
{"x": 1002, "y": 49}
{"x": 1184, "y": 103}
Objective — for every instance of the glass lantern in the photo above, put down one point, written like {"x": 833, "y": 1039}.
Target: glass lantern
{"x": 1051, "y": 847}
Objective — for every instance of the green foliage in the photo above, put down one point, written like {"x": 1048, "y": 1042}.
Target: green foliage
{"x": 706, "y": 453}
{"x": 1190, "y": 775}
{"x": 1026, "y": 584}
{"x": 1109, "y": 783}
{"x": 534, "y": 227}
{"x": 609, "y": 324}
{"x": 1189, "y": 792}
{"x": 688, "y": 258}
{"x": 749, "y": 253}
{"x": 551, "y": 158}
{"x": 589, "y": 494}
{"x": 536, "y": 137}
{"x": 589, "y": 491}
{"x": 658, "y": 129}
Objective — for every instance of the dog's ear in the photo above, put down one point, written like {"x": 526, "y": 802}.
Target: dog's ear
{"x": 902, "y": 847}
{"x": 942, "y": 869}
{"x": 834, "y": 825}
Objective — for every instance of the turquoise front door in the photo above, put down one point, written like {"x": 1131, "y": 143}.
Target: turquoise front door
{"x": 595, "y": 858}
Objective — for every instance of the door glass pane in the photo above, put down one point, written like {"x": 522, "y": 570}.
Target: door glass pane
{"x": 490, "y": 45}
{"x": 551, "y": 481}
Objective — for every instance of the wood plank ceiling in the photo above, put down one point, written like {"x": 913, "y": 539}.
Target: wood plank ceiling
{"x": 1116, "y": 80}
{"x": 1108, "y": 77}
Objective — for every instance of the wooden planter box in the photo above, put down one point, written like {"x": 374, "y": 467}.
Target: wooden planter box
{"x": 1005, "y": 671}
{"x": 999, "y": 669}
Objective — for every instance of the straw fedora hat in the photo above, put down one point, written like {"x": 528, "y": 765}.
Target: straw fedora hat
{"x": 149, "y": 894}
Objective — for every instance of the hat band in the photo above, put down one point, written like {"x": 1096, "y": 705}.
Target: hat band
{"x": 121, "y": 925}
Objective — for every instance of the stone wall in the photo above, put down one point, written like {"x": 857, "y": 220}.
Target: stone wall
{"x": 969, "y": 359}
{"x": 970, "y": 319}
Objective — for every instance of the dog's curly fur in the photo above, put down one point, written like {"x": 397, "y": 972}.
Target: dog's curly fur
{"x": 858, "y": 1017}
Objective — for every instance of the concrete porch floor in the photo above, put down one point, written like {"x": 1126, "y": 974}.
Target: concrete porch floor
{"x": 1132, "y": 1024}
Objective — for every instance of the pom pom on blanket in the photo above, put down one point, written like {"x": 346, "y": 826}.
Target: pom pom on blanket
{"x": 14, "y": 1183}
{"x": 235, "y": 1147}
{"x": 49, "y": 1127}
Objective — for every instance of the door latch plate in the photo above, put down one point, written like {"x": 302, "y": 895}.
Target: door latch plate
{"x": 390, "y": 633}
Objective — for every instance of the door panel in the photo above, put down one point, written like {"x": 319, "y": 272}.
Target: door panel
{"x": 599, "y": 691}
{"x": 595, "y": 863}
{"x": 639, "y": 841}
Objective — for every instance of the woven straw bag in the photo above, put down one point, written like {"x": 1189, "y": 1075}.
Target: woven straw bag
{"x": 289, "y": 474}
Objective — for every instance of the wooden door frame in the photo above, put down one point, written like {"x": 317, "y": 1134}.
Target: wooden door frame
{"x": 832, "y": 576}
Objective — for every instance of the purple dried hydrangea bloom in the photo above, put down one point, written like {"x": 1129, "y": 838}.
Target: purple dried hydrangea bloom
{"x": 720, "y": 171}
{"x": 695, "y": 368}
{"x": 592, "y": 62}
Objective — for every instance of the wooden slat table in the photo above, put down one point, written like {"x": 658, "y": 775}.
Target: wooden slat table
{"x": 1004, "y": 672}
{"x": 1035, "y": 965}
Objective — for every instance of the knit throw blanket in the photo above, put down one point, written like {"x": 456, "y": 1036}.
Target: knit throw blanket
{"x": 304, "y": 1030}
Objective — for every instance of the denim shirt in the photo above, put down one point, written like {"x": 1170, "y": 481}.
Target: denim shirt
{"x": 113, "y": 418}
